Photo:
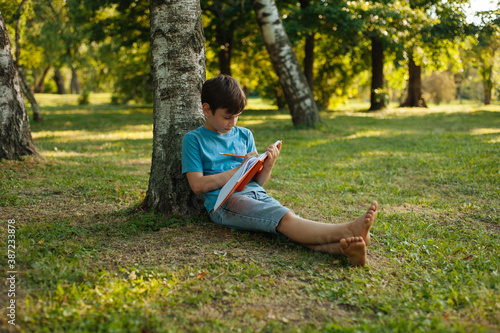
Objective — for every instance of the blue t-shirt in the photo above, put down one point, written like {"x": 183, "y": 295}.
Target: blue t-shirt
{"x": 200, "y": 153}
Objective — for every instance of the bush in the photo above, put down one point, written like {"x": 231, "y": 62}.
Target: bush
{"x": 84, "y": 98}
{"x": 439, "y": 87}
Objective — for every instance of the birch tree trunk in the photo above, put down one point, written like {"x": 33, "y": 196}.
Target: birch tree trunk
{"x": 15, "y": 132}
{"x": 298, "y": 94}
{"x": 178, "y": 69}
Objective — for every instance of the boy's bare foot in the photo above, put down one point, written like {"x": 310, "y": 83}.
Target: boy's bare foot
{"x": 354, "y": 248}
{"x": 361, "y": 226}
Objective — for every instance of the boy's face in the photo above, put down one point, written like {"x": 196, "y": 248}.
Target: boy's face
{"x": 220, "y": 120}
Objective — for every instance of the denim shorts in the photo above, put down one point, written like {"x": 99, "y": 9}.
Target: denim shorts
{"x": 252, "y": 211}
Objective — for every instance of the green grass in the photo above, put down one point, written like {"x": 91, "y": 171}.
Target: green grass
{"x": 85, "y": 263}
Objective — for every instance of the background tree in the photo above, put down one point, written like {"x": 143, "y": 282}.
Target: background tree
{"x": 116, "y": 35}
{"x": 178, "y": 68}
{"x": 338, "y": 57}
{"x": 385, "y": 24}
{"x": 297, "y": 93}
{"x": 224, "y": 21}
{"x": 28, "y": 92}
{"x": 15, "y": 132}
{"x": 436, "y": 32}
{"x": 487, "y": 50}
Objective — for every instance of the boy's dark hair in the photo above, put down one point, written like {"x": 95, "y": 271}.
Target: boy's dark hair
{"x": 223, "y": 92}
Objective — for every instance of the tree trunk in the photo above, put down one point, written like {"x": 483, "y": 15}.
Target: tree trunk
{"x": 298, "y": 95}
{"x": 414, "y": 98}
{"x": 309, "y": 61}
{"x": 40, "y": 86}
{"x": 488, "y": 87}
{"x": 75, "y": 87}
{"x": 486, "y": 72}
{"x": 59, "y": 79}
{"x": 15, "y": 132}
{"x": 377, "y": 96}
{"x": 225, "y": 41}
{"x": 308, "y": 52}
{"x": 178, "y": 69}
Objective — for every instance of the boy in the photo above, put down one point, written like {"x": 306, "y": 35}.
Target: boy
{"x": 252, "y": 209}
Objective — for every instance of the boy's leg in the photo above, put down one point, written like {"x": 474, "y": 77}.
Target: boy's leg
{"x": 309, "y": 232}
{"x": 353, "y": 248}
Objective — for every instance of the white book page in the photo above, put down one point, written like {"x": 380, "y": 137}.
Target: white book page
{"x": 224, "y": 191}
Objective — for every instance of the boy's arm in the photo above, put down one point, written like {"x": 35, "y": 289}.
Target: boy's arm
{"x": 202, "y": 184}
{"x": 272, "y": 154}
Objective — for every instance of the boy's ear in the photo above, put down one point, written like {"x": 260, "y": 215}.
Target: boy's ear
{"x": 207, "y": 110}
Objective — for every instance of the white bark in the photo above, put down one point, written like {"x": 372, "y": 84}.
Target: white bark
{"x": 178, "y": 69}
{"x": 298, "y": 94}
{"x": 15, "y": 133}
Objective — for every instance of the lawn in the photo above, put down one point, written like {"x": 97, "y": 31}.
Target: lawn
{"x": 86, "y": 263}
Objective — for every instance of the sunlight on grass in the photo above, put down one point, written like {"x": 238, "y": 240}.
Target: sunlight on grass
{"x": 318, "y": 142}
{"x": 71, "y": 99}
{"x": 379, "y": 133}
{"x": 141, "y": 132}
{"x": 249, "y": 122}
{"x": 118, "y": 293}
{"x": 254, "y": 103}
{"x": 482, "y": 131}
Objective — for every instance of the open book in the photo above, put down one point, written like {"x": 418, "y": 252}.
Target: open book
{"x": 242, "y": 177}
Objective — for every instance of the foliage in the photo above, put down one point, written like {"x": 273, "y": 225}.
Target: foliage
{"x": 108, "y": 42}
{"x": 340, "y": 51}
{"x": 118, "y": 31}
{"x": 88, "y": 264}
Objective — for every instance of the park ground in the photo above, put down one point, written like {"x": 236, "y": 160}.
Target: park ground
{"x": 86, "y": 262}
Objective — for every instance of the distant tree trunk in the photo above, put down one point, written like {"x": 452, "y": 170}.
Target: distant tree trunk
{"x": 15, "y": 132}
{"x": 377, "y": 99}
{"x": 298, "y": 95}
{"x": 308, "y": 52}
{"x": 225, "y": 41}
{"x": 309, "y": 61}
{"x": 75, "y": 87}
{"x": 37, "y": 115}
{"x": 59, "y": 79}
{"x": 486, "y": 72}
{"x": 488, "y": 87}
{"x": 414, "y": 98}
{"x": 178, "y": 69}
{"x": 40, "y": 86}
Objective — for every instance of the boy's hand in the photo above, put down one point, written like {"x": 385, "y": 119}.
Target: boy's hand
{"x": 273, "y": 152}
{"x": 248, "y": 156}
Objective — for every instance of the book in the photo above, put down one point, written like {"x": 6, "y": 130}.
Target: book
{"x": 242, "y": 177}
